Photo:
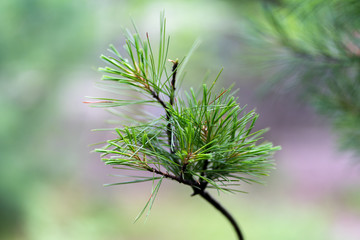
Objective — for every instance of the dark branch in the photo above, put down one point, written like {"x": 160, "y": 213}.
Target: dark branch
{"x": 226, "y": 214}
{"x": 204, "y": 183}
{"x": 158, "y": 99}
{"x": 168, "y": 116}
{"x": 193, "y": 184}
{"x": 172, "y": 97}
{"x": 183, "y": 169}
{"x": 198, "y": 189}
{"x": 173, "y": 80}
{"x": 156, "y": 96}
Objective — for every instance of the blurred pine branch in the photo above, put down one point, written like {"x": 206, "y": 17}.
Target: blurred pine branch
{"x": 316, "y": 48}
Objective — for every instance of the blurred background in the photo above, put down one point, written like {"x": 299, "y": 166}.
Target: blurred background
{"x": 51, "y": 185}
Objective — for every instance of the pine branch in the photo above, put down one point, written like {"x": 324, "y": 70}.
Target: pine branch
{"x": 319, "y": 46}
{"x": 203, "y": 141}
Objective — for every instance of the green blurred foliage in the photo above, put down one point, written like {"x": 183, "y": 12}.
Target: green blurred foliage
{"x": 313, "y": 48}
{"x": 40, "y": 42}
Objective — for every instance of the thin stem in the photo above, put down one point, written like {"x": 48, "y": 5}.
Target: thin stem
{"x": 173, "y": 177}
{"x": 156, "y": 96}
{"x": 172, "y": 97}
{"x": 217, "y": 205}
{"x": 158, "y": 99}
{"x": 168, "y": 116}
{"x": 199, "y": 190}
{"x": 204, "y": 183}
{"x": 173, "y": 81}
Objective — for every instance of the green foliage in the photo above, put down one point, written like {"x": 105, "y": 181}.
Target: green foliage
{"x": 316, "y": 48}
{"x": 40, "y": 42}
{"x": 204, "y": 140}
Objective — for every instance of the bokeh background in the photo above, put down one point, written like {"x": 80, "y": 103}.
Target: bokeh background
{"x": 51, "y": 185}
